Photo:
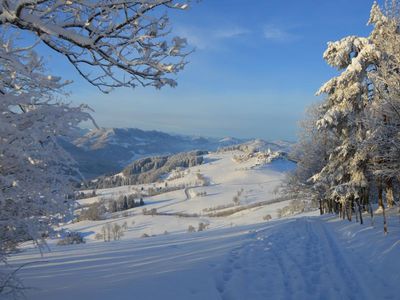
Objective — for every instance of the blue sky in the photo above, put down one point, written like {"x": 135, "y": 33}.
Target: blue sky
{"x": 256, "y": 67}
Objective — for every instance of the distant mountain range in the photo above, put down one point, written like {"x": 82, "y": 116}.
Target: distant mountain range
{"x": 107, "y": 151}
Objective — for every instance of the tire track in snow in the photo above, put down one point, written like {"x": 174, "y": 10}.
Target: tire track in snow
{"x": 295, "y": 260}
{"x": 345, "y": 269}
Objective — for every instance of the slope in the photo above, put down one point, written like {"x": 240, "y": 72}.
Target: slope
{"x": 303, "y": 258}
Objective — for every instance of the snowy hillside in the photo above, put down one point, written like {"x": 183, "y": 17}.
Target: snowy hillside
{"x": 303, "y": 258}
{"x": 104, "y": 151}
{"x": 220, "y": 193}
{"x": 218, "y": 233}
{"x": 198, "y": 193}
{"x": 149, "y": 170}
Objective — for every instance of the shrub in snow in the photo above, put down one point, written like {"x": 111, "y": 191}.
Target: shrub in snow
{"x": 201, "y": 180}
{"x": 125, "y": 226}
{"x": 94, "y": 212}
{"x": 295, "y": 207}
{"x": 98, "y": 236}
{"x": 267, "y": 217}
{"x": 193, "y": 194}
{"x": 202, "y": 226}
{"x": 111, "y": 232}
{"x": 185, "y": 215}
{"x": 219, "y": 207}
{"x": 71, "y": 238}
{"x": 236, "y": 198}
{"x": 151, "y": 212}
{"x": 117, "y": 232}
{"x": 106, "y": 232}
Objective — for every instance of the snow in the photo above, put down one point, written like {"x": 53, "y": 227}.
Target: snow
{"x": 302, "y": 258}
{"x": 226, "y": 177}
{"x": 239, "y": 256}
{"x": 312, "y": 258}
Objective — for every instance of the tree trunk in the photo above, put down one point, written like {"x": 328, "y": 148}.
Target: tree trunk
{"x": 321, "y": 211}
{"x": 371, "y": 211}
{"x": 348, "y": 210}
{"x": 337, "y": 207}
{"x": 380, "y": 196}
{"x": 364, "y": 199}
{"x": 360, "y": 212}
{"x": 382, "y": 207}
{"x": 385, "y": 225}
{"x": 331, "y": 206}
{"x": 343, "y": 209}
{"x": 389, "y": 193}
{"x": 356, "y": 213}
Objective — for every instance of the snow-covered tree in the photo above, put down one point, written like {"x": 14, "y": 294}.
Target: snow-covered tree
{"x": 348, "y": 98}
{"x": 361, "y": 115}
{"x": 384, "y": 121}
{"x": 311, "y": 154}
{"x": 36, "y": 174}
{"x": 111, "y": 43}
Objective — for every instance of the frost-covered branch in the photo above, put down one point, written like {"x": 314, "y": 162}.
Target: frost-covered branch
{"x": 111, "y": 43}
{"x": 36, "y": 174}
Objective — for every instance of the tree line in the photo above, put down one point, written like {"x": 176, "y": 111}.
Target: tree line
{"x": 348, "y": 152}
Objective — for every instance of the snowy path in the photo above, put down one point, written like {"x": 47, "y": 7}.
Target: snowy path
{"x": 304, "y": 258}
{"x": 301, "y": 260}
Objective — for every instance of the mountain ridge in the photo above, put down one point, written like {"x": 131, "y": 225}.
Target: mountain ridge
{"x": 108, "y": 150}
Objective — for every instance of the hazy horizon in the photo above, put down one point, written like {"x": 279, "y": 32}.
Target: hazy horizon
{"x": 193, "y": 135}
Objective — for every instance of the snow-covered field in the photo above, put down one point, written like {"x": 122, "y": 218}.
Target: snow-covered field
{"x": 238, "y": 256}
{"x": 226, "y": 178}
{"x": 301, "y": 258}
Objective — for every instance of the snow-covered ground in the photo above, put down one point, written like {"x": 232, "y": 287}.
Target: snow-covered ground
{"x": 238, "y": 256}
{"x": 226, "y": 178}
{"x": 300, "y": 258}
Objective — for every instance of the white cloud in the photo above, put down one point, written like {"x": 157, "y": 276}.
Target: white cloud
{"x": 228, "y": 33}
{"x": 279, "y": 34}
{"x": 210, "y": 38}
